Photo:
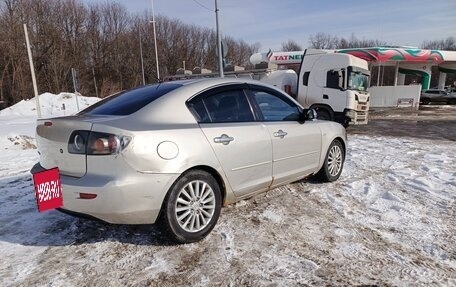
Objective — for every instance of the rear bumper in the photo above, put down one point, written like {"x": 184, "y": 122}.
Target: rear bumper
{"x": 131, "y": 198}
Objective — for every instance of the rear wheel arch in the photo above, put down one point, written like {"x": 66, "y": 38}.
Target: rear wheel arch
{"x": 215, "y": 174}
{"x": 210, "y": 170}
{"x": 168, "y": 219}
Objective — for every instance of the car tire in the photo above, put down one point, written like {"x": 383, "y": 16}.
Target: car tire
{"x": 192, "y": 207}
{"x": 425, "y": 101}
{"x": 334, "y": 162}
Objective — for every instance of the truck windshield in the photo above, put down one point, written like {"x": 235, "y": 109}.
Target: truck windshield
{"x": 358, "y": 80}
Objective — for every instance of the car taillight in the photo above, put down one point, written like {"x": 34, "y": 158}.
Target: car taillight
{"x": 104, "y": 143}
{"x": 96, "y": 143}
{"x": 78, "y": 142}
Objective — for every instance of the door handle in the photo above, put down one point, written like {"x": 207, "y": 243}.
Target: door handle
{"x": 223, "y": 139}
{"x": 280, "y": 134}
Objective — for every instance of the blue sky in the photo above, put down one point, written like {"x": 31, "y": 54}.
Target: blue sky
{"x": 398, "y": 22}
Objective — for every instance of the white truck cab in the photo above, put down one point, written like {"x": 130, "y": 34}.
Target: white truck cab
{"x": 336, "y": 85}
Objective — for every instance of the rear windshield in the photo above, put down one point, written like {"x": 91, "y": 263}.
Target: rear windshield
{"x": 128, "y": 102}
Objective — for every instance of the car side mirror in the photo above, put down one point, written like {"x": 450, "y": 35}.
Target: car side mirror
{"x": 308, "y": 115}
{"x": 311, "y": 114}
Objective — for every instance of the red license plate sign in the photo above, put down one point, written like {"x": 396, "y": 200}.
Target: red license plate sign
{"x": 48, "y": 189}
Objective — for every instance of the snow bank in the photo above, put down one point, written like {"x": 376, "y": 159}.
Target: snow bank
{"x": 18, "y": 121}
{"x": 52, "y": 105}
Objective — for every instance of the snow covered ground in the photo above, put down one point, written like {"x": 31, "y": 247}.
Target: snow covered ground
{"x": 389, "y": 220}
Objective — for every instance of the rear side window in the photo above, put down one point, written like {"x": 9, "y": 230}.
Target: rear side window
{"x": 128, "y": 102}
{"x": 224, "y": 106}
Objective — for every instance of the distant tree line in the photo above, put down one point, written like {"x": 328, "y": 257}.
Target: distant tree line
{"x": 328, "y": 41}
{"x": 384, "y": 75}
{"x": 102, "y": 42}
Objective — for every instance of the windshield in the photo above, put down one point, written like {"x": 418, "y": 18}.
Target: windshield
{"x": 128, "y": 102}
{"x": 358, "y": 81}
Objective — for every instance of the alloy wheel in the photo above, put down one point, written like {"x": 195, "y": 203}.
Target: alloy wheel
{"x": 335, "y": 160}
{"x": 195, "y": 206}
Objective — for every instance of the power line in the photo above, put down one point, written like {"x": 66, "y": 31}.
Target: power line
{"x": 205, "y": 7}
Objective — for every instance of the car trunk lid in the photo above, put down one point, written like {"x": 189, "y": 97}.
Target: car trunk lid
{"x": 52, "y": 136}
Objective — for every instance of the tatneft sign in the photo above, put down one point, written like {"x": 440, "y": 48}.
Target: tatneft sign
{"x": 285, "y": 57}
{"x": 279, "y": 58}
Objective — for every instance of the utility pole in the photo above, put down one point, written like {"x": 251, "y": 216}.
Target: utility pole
{"x": 32, "y": 70}
{"x": 219, "y": 42}
{"x": 75, "y": 86}
{"x": 155, "y": 40}
{"x": 142, "y": 59}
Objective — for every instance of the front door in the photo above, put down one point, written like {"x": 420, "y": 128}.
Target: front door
{"x": 296, "y": 146}
{"x": 242, "y": 145}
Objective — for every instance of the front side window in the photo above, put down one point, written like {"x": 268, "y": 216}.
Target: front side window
{"x": 274, "y": 107}
{"x": 221, "y": 107}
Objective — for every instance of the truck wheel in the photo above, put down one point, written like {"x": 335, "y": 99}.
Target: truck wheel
{"x": 192, "y": 207}
{"x": 323, "y": 114}
{"x": 333, "y": 164}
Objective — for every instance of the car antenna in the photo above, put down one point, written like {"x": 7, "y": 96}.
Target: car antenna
{"x": 156, "y": 78}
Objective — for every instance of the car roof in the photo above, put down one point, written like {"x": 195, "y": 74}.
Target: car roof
{"x": 172, "y": 109}
{"x": 216, "y": 81}
{"x": 202, "y": 83}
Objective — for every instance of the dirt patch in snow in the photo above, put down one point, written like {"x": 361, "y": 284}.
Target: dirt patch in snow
{"x": 23, "y": 141}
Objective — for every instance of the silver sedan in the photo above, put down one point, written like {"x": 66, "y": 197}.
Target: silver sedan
{"x": 176, "y": 152}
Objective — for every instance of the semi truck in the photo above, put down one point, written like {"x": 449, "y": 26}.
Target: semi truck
{"x": 334, "y": 84}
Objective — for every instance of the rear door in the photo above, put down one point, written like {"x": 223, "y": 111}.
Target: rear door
{"x": 242, "y": 145}
{"x": 296, "y": 146}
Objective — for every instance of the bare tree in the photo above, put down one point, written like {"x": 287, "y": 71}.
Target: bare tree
{"x": 291, "y": 45}
{"x": 448, "y": 44}
{"x": 323, "y": 41}
{"x": 327, "y": 41}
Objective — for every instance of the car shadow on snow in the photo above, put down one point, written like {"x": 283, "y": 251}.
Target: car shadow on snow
{"x": 89, "y": 230}
{"x": 21, "y": 223}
